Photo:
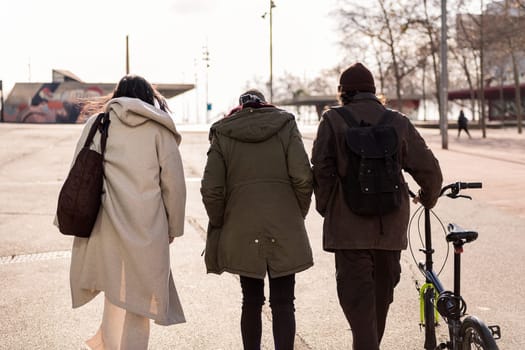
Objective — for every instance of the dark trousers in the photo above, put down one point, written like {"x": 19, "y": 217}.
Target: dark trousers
{"x": 365, "y": 287}
{"x": 463, "y": 128}
{"x": 283, "y": 312}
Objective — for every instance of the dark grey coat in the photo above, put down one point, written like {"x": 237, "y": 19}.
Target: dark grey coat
{"x": 342, "y": 229}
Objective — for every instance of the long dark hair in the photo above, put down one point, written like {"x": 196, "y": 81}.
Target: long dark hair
{"x": 136, "y": 86}
{"x": 130, "y": 85}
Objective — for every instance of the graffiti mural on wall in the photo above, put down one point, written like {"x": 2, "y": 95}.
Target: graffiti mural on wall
{"x": 61, "y": 100}
{"x": 50, "y": 102}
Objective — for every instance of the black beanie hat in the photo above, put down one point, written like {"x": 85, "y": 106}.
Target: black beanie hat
{"x": 357, "y": 78}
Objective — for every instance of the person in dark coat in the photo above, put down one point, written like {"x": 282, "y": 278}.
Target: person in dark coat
{"x": 367, "y": 249}
{"x": 257, "y": 189}
{"x": 463, "y": 124}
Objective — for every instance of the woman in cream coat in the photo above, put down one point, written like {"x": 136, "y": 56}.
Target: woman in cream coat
{"x": 127, "y": 255}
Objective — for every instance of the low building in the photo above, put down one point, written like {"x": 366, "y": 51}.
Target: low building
{"x": 322, "y": 102}
{"x": 59, "y": 101}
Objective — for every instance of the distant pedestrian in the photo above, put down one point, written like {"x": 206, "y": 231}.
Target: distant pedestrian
{"x": 463, "y": 124}
{"x": 257, "y": 189}
{"x": 367, "y": 246}
{"x": 127, "y": 256}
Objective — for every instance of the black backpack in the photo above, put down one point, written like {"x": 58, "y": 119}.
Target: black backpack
{"x": 372, "y": 185}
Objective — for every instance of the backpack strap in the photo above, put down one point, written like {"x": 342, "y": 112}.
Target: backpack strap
{"x": 350, "y": 120}
{"x": 386, "y": 117}
{"x": 347, "y": 116}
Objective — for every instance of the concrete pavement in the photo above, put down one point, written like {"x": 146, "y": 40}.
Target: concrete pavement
{"x": 35, "y": 311}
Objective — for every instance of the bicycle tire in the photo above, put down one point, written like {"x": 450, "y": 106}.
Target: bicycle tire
{"x": 430, "y": 321}
{"x": 476, "y": 335}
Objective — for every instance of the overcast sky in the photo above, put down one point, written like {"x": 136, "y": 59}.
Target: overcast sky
{"x": 166, "y": 39}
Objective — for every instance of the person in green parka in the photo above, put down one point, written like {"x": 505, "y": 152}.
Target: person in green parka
{"x": 257, "y": 189}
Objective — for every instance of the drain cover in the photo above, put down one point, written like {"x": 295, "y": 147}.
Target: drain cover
{"x": 22, "y": 258}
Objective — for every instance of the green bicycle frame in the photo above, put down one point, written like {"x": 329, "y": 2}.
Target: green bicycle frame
{"x": 422, "y": 291}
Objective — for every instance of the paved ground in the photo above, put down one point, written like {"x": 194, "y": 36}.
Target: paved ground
{"x": 35, "y": 310}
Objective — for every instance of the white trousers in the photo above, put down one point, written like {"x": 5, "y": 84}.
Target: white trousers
{"x": 120, "y": 330}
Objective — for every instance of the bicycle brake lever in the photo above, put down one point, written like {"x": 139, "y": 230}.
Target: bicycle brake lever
{"x": 454, "y": 196}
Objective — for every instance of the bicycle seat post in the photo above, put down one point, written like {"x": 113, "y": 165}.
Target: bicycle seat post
{"x": 459, "y": 237}
{"x": 458, "y": 250}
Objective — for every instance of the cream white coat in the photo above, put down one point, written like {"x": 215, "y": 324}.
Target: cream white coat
{"x": 127, "y": 256}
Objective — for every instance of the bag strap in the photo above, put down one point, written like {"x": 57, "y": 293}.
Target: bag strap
{"x": 347, "y": 116}
{"x": 102, "y": 124}
{"x": 386, "y": 117}
{"x": 352, "y": 122}
{"x": 104, "y": 130}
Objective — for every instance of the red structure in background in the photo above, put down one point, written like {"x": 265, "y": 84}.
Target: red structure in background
{"x": 501, "y": 100}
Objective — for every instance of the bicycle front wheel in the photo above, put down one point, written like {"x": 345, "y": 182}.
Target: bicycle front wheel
{"x": 476, "y": 335}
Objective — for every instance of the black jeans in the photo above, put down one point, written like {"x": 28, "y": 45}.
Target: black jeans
{"x": 365, "y": 286}
{"x": 283, "y": 311}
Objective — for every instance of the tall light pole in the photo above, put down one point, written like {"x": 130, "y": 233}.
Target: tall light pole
{"x": 272, "y": 5}
{"x": 270, "y": 13}
{"x": 482, "y": 71}
{"x": 443, "y": 105}
{"x": 1, "y": 102}
{"x": 127, "y": 54}
{"x": 206, "y": 59}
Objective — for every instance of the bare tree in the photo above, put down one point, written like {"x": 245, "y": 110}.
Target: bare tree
{"x": 326, "y": 83}
{"x": 465, "y": 52}
{"x": 520, "y": 4}
{"x": 291, "y": 86}
{"x": 381, "y": 22}
{"x": 472, "y": 34}
{"x": 496, "y": 34}
{"x": 425, "y": 20}
{"x": 288, "y": 86}
{"x": 510, "y": 27}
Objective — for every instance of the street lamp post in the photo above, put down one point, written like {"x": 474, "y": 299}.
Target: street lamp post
{"x": 272, "y": 5}
{"x": 270, "y": 13}
{"x": 1, "y": 102}
{"x": 206, "y": 59}
{"x": 127, "y": 54}
{"x": 443, "y": 108}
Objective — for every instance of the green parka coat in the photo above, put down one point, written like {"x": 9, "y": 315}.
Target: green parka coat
{"x": 257, "y": 189}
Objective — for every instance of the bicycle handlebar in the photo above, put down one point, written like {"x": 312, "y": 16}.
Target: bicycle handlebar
{"x": 469, "y": 185}
{"x": 455, "y": 187}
